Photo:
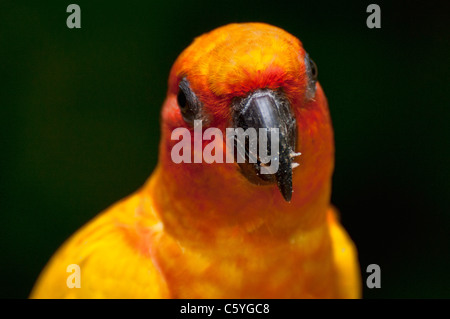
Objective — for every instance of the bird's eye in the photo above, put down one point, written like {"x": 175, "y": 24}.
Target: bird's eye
{"x": 181, "y": 99}
{"x": 189, "y": 104}
{"x": 312, "y": 73}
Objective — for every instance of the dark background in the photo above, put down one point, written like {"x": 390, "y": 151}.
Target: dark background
{"x": 79, "y": 112}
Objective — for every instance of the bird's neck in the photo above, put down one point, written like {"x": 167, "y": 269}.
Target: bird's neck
{"x": 199, "y": 210}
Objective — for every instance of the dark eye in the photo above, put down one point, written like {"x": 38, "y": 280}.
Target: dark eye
{"x": 311, "y": 73}
{"x": 189, "y": 104}
{"x": 314, "y": 71}
{"x": 181, "y": 98}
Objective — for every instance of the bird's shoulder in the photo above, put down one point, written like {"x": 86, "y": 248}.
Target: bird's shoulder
{"x": 113, "y": 257}
{"x": 345, "y": 258}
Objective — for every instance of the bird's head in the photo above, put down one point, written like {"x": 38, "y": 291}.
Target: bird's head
{"x": 250, "y": 75}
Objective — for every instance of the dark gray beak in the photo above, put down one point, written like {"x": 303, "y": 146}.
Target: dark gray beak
{"x": 271, "y": 111}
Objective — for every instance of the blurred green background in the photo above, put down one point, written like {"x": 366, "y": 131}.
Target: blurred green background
{"x": 79, "y": 112}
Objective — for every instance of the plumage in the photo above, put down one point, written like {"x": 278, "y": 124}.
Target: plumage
{"x": 198, "y": 230}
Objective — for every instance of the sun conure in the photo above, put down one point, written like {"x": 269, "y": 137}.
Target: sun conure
{"x": 225, "y": 230}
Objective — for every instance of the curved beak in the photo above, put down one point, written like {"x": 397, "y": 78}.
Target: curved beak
{"x": 268, "y": 159}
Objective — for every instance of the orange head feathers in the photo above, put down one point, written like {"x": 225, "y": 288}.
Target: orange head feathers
{"x": 236, "y": 59}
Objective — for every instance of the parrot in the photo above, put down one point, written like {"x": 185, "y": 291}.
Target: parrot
{"x": 202, "y": 229}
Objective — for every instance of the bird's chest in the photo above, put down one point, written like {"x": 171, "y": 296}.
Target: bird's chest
{"x": 248, "y": 270}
